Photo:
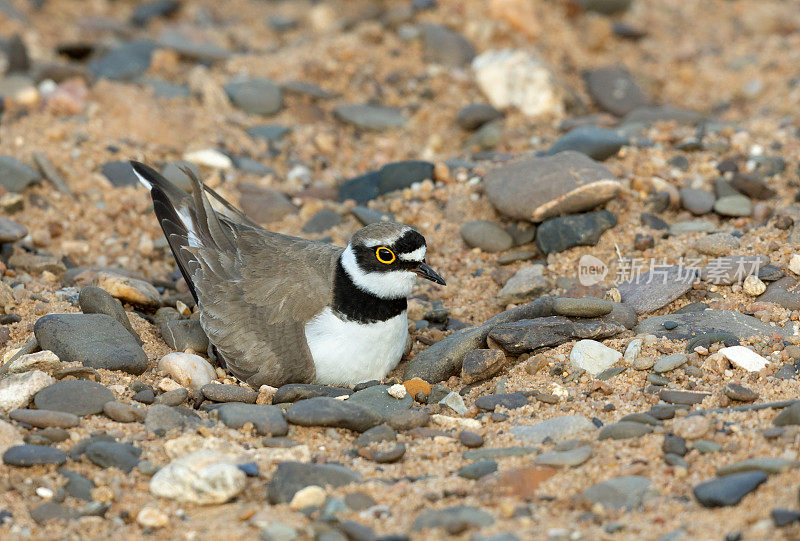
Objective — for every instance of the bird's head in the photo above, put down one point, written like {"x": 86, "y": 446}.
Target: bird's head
{"x": 386, "y": 258}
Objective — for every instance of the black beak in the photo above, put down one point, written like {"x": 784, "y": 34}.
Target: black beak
{"x": 429, "y": 274}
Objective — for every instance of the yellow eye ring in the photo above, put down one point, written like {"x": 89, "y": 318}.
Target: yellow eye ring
{"x": 382, "y": 257}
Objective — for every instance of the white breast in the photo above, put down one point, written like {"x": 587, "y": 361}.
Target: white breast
{"x": 348, "y": 352}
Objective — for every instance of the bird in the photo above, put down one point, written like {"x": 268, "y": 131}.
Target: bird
{"x": 280, "y": 309}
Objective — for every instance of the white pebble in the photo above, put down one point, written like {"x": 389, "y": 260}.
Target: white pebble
{"x": 187, "y": 369}
{"x": 397, "y": 390}
{"x": 210, "y": 158}
{"x": 44, "y": 492}
{"x": 753, "y": 286}
{"x": 152, "y": 517}
{"x": 794, "y": 263}
{"x": 744, "y": 358}
{"x": 593, "y": 356}
{"x": 310, "y": 496}
{"x": 454, "y": 401}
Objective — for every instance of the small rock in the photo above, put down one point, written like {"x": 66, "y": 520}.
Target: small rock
{"x": 619, "y": 492}
{"x": 224, "y": 392}
{"x": 470, "y": 439}
{"x": 130, "y": 290}
{"x": 505, "y": 400}
{"x": 744, "y": 358}
{"x": 202, "y": 477}
{"x": 614, "y": 90}
{"x": 120, "y": 174}
{"x": 15, "y": 176}
{"x": 597, "y": 143}
{"x": 307, "y": 497}
{"x": 44, "y": 418}
{"x": 624, "y": 430}
{"x": 452, "y": 519}
{"x": 692, "y": 428}
{"x": 586, "y": 307}
{"x": 290, "y": 477}
{"x": 255, "y": 96}
{"x": 33, "y": 455}
{"x": 268, "y": 420}
{"x": 569, "y": 458}
{"x": 668, "y": 363}
{"x": 444, "y": 46}
{"x": 697, "y": 201}
{"x": 108, "y": 454}
{"x": 475, "y": 115}
{"x": 44, "y": 361}
{"x": 370, "y": 117}
{"x": 487, "y": 236}
{"x": 188, "y": 370}
{"x": 593, "y": 356}
{"x": 322, "y": 221}
{"x": 527, "y": 283}
{"x": 325, "y": 411}
{"x": 728, "y": 490}
{"x": 789, "y": 416}
{"x": 152, "y": 517}
{"x": 560, "y": 234}
{"x": 79, "y": 397}
{"x": 123, "y": 413}
{"x": 555, "y": 429}
{"x": 753, "y": 286}
{"x": 717, "y": 244}
{"x": 94, "y": 300}
{"x": 482, "y": 364}
{"x": 734, "y": 391}
{"x": 478, "y": 469}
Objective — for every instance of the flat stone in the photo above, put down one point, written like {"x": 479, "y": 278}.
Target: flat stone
{"x": 597, "y": 143}
{"x": 655, "y": 289}
{"x": 377, "y": 399}
{"x": 785, "y": 292}
{"x": 650, "y": 114}
{"x": 623, "y": 430}
{"x": 370, "y": 117}
{"x": 45, "y": 418}
{"x": 124, "y": 63}
{"x": 694, "y": 324}
{"x": 555, "y": 429}
{"x": 400, "y": 175}
{"x": 485, "y": 235}
{"x": 717, "y": 244}
{"x": 293, "y": 392}
{"x": 255, "y": 96}
{"x": 674, "y": 445}
{"x": 668, "y": 363}
{"x": 48, "y": 511}
{"x": 268, "y": 420}
{"x": 560, "y": 234}
{"x": 225, "y": 392}
{"x": 619, "y": 493}
{"x": 586, "y": 307}
{"x": 482, "y": 364}
{"x": 94, "y": 340}
{"x": 11, "y": 231}
{"x": 706, "y": 447}
{"x": 293, "y": 476}
{"x": 526, "y": 284}
{"x": 691, "y": 226}
{"x": 126, "y": 289}
{"x": 530, "y": 334}
{"x": 77, "y": 485}
{"x": 452, "y": 519}
{"x": 202, "y": 477}
{"x": 733, "y": 205}
{"x": 120, "y": 174}
{"x": 613, "y": 89}
{"x": 322, "y": 221}
{"x": 751, "y": 186}
{"x": 768, "y": 465}
{"x": 571, "y": 458}
{"x": 325, "y": 411}
{"x": 33, "y": 455}
{"x": 478, "y": 469}
{"x": 728, "y": 490}
{"x": 475, "y": 115}
{"x": 79, "y": 397}
{"x": 678, "y": 396}
{"x": 789, "y": 416}
{"x": 505, "y": 400}
{"x": 160, "y": 419}
{"x": 123, "y": 413}
{"x": 536, "y": 189}
{"x": 744, "y": 358}
{"x": 108, "y": 454}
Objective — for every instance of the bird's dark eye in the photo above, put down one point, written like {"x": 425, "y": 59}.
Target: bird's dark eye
{"x": 385, "y": 255}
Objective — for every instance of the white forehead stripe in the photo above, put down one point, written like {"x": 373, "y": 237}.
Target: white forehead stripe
{"x": 416, "y": 255}
{"x": 385, "y": 241}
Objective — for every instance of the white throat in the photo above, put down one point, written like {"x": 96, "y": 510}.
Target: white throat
{"x": 386, "y": 285}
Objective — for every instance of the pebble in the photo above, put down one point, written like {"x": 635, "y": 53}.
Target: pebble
{"x": 94, "y": 300}
{"x": 322, "y": 221}
{"x": 44, "y": 418}
{"x": 499, "y": 452}
{"x": 706, "y": 447}
{"x": 717, "y": 244}
{"x": 674, "y": 445}
{"x": 785, "y": 292}
{"x": 593, "y": 356}
{"x": 789, "y": 416}
{"x": 15, "y": 176}
{"x": 668, "y": 363}
{"x": 619, "y": 492}
{"x": 120, "y": 174}
{"x": 189, "y": 370}
{"x": 693, "y": 325}
{"x": 79, "y": 397}
{"x": 734, "y": 391}
{"x": 94, "y": 340}
{"x": 401, "y": 175}
{"x": 475, "y": 115}
{"x": 136, "y": 292}
{"x": 587, "y": 307}
{"x": 452, "y": 519}
{"x": 397, "y": 391}
{"x": 290, "y": 477}
{"x": 123, "y": 413}
{"x": 768, "y": 465}
{"x": 444, "y": 46}
{"x": 11, "y": 231}
{"x": 505, "y": 400}
{"x": 108, "y": 454}
{"x": 16, "y": 390}
{"x": 278, "y": 532}
{"x": 255, "y": 96}
{"x": 614, "y": 90}
{"x": 693, "y": 427}
{"x": 555, "y": 429}
{"x": 152, "y": 517}
{"x": 209, "y": 157}
{"x": 527, "y": 283}
{"x": 470, "y": 439}
{"x": 308, "y": 497}
{"x": 53, "y": 511}
{"x": 697, "y": 201}
{"x": 516, "y": 78}
{"x": 568, "y": 458}
{"x": 753, "y": 286}
{"x": 382, "y": 455}
{"x": 376, "y": 434}
{"x": 377, "y": 399}
{"x": 32, "y": 455}
{"x": 268, "y": 420}
{"x": 680, "y": 396}
{"x": 225, "y": 392}
{"x": 293, "y": 392}
{"x": 184, "y": 334}
{"x": 624, "y": 430}
{"x": 77, "y": 485}
{"x": 482, "y": 364}
{"x": 487, "y": 236}
{"x": 597, "y": 143}
{"x": 562, "y": 233}
{"x": 370, "y": 117}
{"x": 124, "y": 63}
{"x": 9, "y": 437}
{"x": 367, "y": 216}
{"x": 733, "y": 205}
{"x": 784, "y": 517}
{"x": 536, "y": 189}
{"x": 326, "y": 411}
{"x": 160, "y": 419}
{"x": 478, "y": 469}
{"x": 728, "y": 490}
{"x": 203, "y": 477}
{"x": 174, "y": 397}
